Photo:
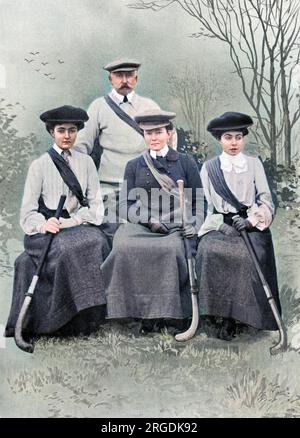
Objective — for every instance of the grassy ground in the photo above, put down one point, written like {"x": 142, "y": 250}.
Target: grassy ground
{"x": 114, "y": 374}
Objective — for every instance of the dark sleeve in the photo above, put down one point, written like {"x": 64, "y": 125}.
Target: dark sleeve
{"x": 127, "y": 193}
{"x": 197, "y": 196}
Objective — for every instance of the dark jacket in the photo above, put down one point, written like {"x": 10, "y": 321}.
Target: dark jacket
{"x": 138, "y": 176}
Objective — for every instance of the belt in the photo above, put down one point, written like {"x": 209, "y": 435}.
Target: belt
{"x": 110, "y": 183}
{"x": 228, "y": 216}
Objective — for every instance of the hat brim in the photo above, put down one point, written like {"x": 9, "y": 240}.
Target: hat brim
{"x": 66, "y": 120}
{"x": 150, "y": 126}
{"x": 231, "y": 128}
{"x": 123, "y": 69}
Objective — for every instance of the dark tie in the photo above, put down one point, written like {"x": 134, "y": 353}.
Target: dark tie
{"x": 125, "y": 99}
{"x": 65, "y": 155}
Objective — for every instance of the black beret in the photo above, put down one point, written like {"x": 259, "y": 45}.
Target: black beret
{"x": 65, "y": 114}
{"x": 229, "y": 121}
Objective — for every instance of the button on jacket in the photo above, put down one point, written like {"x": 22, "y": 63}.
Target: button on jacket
{"x": 176, "y": 165}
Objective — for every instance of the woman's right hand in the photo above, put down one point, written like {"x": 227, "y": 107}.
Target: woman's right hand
{"x": 157, "y": 227}
{"x": 51, "y": 226}
{"x": 228, "y": 230}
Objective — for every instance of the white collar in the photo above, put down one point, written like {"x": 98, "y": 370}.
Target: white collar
{"x": 59, "y": 150}
{"x": 236, "y": 162}
{"x": 162, "y": 153}
{"x": 120, "y": 97}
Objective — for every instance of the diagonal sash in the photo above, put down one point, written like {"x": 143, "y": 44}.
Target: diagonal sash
{"x": 123, "y": 116}
{"x": 97, "y": 153}
{"x": 68, "y": 176}
{"x": 166, "y": 183}
{"x": 220, "y": 186}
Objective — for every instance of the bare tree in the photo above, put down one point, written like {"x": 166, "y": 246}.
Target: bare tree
{"x": 263, "y": 41}
{"x": 195, "y": 90}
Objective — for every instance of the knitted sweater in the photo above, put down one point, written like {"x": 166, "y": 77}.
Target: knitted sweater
{"x": 119, "y": 141}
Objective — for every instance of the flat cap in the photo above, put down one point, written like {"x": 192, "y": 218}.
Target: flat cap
{"x": 124, "y": 64}
{"x": 229, "y": 121}
{"x": 65, "y": 114}
{"x": 155, "y": 118}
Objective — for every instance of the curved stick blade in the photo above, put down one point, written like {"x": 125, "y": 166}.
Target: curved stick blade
{"x": 282, "y": 345}
{"x": 188, "y": 334}
{"x": 20, "y": 342}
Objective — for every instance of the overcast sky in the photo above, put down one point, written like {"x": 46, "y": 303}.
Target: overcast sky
{"x": 87, "y": 34}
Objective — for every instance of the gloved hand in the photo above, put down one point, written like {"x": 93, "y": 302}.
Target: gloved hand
{"x": 241, "y": 224}
{"x": 188, "y": 231}
{"x": 228, "y": 230}
{"x": 157, "y": 227}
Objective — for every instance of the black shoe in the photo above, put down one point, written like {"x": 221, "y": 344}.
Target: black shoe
{"x": 210, "y": 325}
{"x": 148, "y": 325}
{"x": 227, "y": 330}
{"x": 134, "y": 325}
{"x": 176, "y": 326}
{"x": 242, "y": 328}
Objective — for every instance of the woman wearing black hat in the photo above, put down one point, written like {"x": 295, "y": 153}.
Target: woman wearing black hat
{"x": 146, "y": 273}
{"x": 238, "y": 197}
{"x": 70, "y": 281}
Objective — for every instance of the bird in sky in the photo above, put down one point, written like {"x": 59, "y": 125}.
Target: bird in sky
{"x": 34, "y": 53}
{"x": 61, "y": 61}
{"x": 47, "y": 74}
{"x": 38, "y": 69}
{"x": 52, "y": 78}
{"x": 44, "y": 63}
{"x": 28, "y": 60}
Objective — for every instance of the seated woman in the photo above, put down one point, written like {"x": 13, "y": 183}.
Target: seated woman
{"x": 146, "y": 275}
{"x": 238, "y": 198}
{"x": 70, "y": 280}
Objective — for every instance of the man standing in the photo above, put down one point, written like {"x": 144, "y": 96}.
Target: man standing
{"x": 111, "y": 122}
{"x": 111, "y": 136}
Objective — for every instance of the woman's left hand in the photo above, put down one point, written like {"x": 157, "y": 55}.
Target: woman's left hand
{"x": 241, "y": 224}
{"x": 188, "y": 231}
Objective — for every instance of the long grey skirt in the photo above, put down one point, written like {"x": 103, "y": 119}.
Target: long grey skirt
{"x": 146, "y": 275}
{"x": 228, "y": 282}
{"x": 70, "y": 280}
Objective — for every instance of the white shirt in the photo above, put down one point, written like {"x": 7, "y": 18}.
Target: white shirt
{"x": 58, "y": 149}
{"x": 120, "y": 97}
{"x": 162, "y": 153}
{"x": 44, "y": 179}
{"x": 236, "y": 162}
{"x": 247, "y": 181}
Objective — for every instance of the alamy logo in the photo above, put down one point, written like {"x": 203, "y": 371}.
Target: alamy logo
{"x": 2, "y": 338}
